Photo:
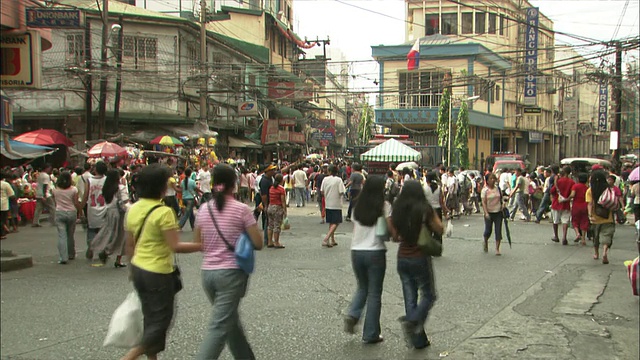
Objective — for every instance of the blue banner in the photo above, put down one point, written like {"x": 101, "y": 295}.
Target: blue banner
{"x": 531, "y": 57}
{"x": 603, "y": 106}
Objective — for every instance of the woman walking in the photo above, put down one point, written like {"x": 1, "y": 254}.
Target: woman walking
{"x": 579, "y": 213}
{"x": 493, "y": 216}
{"x": 435, "y": 198}
{"x": 110, "y": 238}
{"x": 601, "y": 218}
{"x": 152, "y": 241}
{"x": 189, "y": 190}
{"x": 368, "y": 259}
{"x": 276, "y": 212}
{"x": 219, "y": 222}
{"x": 67, "y": 206}
{"x": 411, "y": 212}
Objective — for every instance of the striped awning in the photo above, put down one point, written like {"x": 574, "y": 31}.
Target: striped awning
{"x": 391, "y": 151}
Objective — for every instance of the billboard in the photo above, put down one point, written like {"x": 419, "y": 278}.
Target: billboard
{"x": 248, "y": 108}
{"x": 603, "y": 106}
{"x": 20, "y": 65}
{"x": 55, "y": 18}
{"x": 531, "y": 57}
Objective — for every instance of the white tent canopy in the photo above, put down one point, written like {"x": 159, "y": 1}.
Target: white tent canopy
{"x": 391, "y": 150}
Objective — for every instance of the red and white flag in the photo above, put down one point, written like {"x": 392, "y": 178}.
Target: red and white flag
{"x": 413, "y": 57}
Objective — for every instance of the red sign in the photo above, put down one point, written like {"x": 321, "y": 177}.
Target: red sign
{"x": 270, "y": 132}
{"x": 281, "y": 89}
{"x": 295, "y": 137}
{"x": 324, "y": 142}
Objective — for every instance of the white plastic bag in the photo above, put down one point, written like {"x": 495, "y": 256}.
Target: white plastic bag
{"x": 126, "y": 326}
{"x": 449, "y": 229}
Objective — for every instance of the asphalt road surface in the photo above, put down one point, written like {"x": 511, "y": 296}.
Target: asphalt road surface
{"x": 539, "y": 300}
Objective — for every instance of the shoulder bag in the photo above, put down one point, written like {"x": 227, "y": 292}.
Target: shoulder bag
{"x": 427, "y": 243}
{"x": 243, "y": 250}
{"x": 177, "y": 279}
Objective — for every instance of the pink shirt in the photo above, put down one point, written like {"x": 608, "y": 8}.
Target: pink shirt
{"x": 244, "y": 180}
{"x": 65, "y": 198}
{"x": 233, "y": 220}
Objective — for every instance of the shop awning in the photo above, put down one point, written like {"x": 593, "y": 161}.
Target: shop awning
{"x": 285, "y": 112}
{"x": 235, "y": 142}
{"x": 391, "y": 151}
{"x": 20, "y": 150}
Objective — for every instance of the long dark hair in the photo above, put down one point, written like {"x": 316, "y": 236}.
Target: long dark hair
{"x": 64, "y": 180}
{"x": 598, "y": 184}
{"x": 370, "y": 205}
{"x": 110, "y": 187}
{"x": 410, "y": 211}
{"x": 187, "y": 175}
{"x": 432, "y": 180}
{"x": 224, "y": 179}
{"x": 277, "y": 180}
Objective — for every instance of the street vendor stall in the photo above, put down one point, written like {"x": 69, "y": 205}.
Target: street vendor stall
{"x": 391, "y": 151}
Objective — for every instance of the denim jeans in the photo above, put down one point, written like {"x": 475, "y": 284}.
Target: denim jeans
{"x": 353, "y": 196}
{"x": 188, "y": 213}
{"x": 369, "y": 267}
{"x": 66, "y": 223}
{"x": 544, "y": 204}
{"x": 301, "y": 196}
{"x": 416, "y": 275}
{"x": 225, "y": 288}
{"x": 41, "y": 204}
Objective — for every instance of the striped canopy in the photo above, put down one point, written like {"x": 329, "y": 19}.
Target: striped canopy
{"x": 391, "y": 151}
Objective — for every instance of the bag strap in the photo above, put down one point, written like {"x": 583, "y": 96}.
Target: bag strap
{"x": 213, "y": 219}
{"x": 135, "y": 238}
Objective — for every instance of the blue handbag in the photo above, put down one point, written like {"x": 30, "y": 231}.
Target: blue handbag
{"x": 243, "y": 250}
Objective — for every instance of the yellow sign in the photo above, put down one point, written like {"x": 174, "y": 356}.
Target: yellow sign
{"x": 20, "y": 65}
{"x": 636, "y": 142}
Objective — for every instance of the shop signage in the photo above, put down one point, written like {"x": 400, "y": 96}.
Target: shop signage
{"x": 636, "y": 142}
{"x": 20, "y": 65}
{"x": 531, "y": 57}
{"x": 571, "y": 115}
{"x": 283, "y": 135}
{"x": 270, "y": 132}
{"x": 409, "y": 116}
{"x": 55, "y": 18}
{"x": 296, "y": 137}
{"x": 281, "y": 89}
{"x": 532, "y": 110}
{"x": 603, "y": 106}
{"x": 321, "y": 135}
{"x": 535, "y": 137}
{"x": 6, "y": 115}
{"x": 248, "y": 108}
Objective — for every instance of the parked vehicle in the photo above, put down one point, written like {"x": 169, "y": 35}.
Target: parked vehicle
{"x": 491, "y": 159}
{"x": 508, "y": 165}
{"x": 579, "y": 165}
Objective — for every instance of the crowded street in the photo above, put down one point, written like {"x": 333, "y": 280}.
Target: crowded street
{"x": 540, "y": 299}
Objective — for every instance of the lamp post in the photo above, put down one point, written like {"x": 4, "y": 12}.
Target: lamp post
{"x": 449, "y": 142}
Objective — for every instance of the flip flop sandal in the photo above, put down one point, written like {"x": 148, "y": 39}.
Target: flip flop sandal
{"x": 334, "y": 244}
{"x": 326, "y": 245}
{"x": 605, "y": 260}
{"x": 279, "y": 246}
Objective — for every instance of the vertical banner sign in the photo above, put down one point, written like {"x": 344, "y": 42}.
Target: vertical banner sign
{"x": 531, "y": 57}
{"x": 603, "y": 106}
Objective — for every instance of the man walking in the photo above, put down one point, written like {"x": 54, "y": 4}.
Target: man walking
{"x": 332, "y": 189}
{"x": 519, "y": 194}
{"x": 560, "y": 205}
{"x": 549, "y": 177}
{"x": 96, "y": 205}
{"x": 44, "y": 200}
{"x": 266, "y": 182}
{"x": 355, "y": 183}
{"x": 300, "y": 184}
{"x": 204, "y": 178}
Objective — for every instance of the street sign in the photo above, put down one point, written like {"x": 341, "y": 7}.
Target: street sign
{"x": 532, "y": 110}
{"x": 55, "y": 18}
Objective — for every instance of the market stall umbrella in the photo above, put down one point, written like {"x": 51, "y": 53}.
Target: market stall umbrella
{"x": 391, "y": 150}
{"x": 166, "y": 141}
{"x": 44, "y": 137}
{"x": 410, "y": 165}
{"x": 313, "y": 156}
{"x": 106, "y": 150}
{"x": 635, "y": 174}
{"x": 21, "y": 150}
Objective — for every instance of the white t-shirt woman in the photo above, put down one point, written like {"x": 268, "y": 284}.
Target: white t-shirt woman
{"x": 364, "y": 237}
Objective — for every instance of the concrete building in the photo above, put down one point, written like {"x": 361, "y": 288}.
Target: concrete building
{"x": 488, "y": 41}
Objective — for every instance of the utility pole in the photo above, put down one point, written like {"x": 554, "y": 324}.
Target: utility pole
{"x": 116, "y": 107}
{"x": 617, "y": 89}
{"x": 103, "y": 69}
{"x": 204, "y": 87}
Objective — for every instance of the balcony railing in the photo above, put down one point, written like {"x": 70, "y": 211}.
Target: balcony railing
{"x": 411, "y": 100}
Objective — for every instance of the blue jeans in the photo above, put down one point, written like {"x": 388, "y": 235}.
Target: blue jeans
{"x": 416, "y": 274}
{"x": 66, "y": 223}
{"x": 188, "y": 213}
{"x": 301, "y": 196}
{"x": 225, "y": 288}
{"x": 544, "y": 204}
{"x": 369, "y": 267}
{"x": 353, "y": 195}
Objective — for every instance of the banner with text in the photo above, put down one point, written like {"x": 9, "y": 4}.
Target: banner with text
{"x": 531, "y": 57}
{"x": 603, "y": 106}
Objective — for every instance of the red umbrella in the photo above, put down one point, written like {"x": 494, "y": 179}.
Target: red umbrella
{"x": 106, "y": 150}
{"x": 44, "y": 137}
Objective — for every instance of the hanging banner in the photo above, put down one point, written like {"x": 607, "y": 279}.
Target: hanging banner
{"x": 531, "y": 57}
{"x": 571, "y": 115}
{"x": 603, "y": 107}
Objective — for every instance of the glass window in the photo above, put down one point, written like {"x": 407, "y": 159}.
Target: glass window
{"x": 467, "y": 23}
{"x": 450, "y": 24}
{"x": 431, "y": 24}
{"x": 492, "y": 23}
{"x": 481, "y": 23}
{"x": 497, "y": 93}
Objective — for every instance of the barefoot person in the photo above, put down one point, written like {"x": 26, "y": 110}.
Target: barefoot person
{"x": 602, "y": 219}
{"x": 332, "y": 190}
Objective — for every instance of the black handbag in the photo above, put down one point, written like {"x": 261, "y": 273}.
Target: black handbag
{"x": 601, "y": 211}
{"x": 175, "y": 274}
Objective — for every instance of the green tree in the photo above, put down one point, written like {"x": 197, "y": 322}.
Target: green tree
{"x": 365, "y": 125}
{"x": 462, "y": 135}
{"x": 443, "y": 120}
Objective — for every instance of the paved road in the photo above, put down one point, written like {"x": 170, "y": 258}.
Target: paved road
{"x": 539, "y": 300}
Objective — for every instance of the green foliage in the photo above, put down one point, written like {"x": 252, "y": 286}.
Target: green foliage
{"x": 443, "y": 118}
{"x": 366, "y": 124}
{"x": 462, "y": 135}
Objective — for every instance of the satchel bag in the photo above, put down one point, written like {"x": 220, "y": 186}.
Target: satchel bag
{"x": 427, "y": 243}
{"x": 608, "y": 199}
{"x": 601, "y": 211}
{"x": 243, "y": 250}
{"x": 175, "y": 274}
